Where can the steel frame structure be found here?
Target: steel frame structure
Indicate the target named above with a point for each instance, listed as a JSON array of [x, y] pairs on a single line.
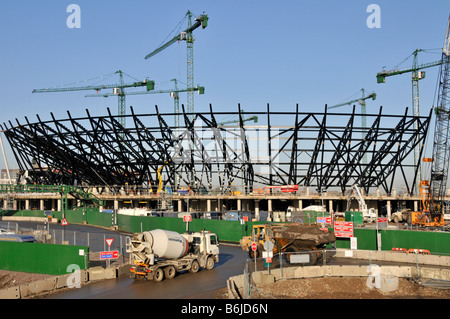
[[320, 150]]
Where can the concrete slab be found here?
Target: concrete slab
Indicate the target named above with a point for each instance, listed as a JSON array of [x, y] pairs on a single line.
[[101, 274], [260, 278], [37, 287], [10, 293], [70, 279]]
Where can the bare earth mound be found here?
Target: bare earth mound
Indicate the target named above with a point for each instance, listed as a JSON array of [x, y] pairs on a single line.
[[344, 288], [10, 279]]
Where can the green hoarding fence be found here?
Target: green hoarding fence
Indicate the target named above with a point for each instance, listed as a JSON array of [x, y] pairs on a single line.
[[435, 242], [42, 258], [233, 231]]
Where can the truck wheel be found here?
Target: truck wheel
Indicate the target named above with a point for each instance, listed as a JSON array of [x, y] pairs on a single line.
[[194, 267], [170, 272], [209, 263], [159, 275], [312, 258], [289, 252]]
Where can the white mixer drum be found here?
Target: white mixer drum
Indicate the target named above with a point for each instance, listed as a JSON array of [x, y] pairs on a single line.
[[169, 244]]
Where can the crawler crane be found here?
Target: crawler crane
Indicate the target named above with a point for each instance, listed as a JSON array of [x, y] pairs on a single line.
[[432, 191]]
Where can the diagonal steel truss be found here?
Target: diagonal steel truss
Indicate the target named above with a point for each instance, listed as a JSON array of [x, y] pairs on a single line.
[[321, 150]]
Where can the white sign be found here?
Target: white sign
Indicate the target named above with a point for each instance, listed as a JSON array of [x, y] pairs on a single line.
[[267, 254], [379, 241], [353, 243], [382, 223], [299, 259], [268, 245]]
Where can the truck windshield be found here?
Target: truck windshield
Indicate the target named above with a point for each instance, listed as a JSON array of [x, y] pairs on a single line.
[[213, 240], [257, 232]]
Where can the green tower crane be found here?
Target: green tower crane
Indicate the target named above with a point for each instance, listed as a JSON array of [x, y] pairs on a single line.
[[417, 75], [173, 93], [118, 90], [187, 36]]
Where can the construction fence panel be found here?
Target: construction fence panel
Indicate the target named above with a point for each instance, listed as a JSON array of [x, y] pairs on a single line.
[[42, 258]]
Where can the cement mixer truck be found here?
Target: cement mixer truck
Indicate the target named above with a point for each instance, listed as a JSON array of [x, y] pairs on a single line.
[[159, 254]]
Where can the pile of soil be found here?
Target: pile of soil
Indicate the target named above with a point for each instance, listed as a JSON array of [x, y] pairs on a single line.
[[344, 288]]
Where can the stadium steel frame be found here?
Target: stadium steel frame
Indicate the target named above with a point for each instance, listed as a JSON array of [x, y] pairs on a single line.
[[320, 150]]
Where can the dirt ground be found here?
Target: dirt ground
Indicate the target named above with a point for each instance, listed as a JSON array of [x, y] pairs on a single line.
[[10, 279], [344, 288]]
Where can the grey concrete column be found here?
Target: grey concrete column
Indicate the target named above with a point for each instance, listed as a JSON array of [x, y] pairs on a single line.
[[257, 209], [389, 208]]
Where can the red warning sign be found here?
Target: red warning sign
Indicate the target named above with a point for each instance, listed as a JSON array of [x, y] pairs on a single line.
[[343, 229]]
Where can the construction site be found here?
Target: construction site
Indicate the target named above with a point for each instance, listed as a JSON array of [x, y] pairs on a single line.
[[368, 168], [185, 161]]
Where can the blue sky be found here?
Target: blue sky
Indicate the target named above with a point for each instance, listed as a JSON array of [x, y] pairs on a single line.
[[252, 52]]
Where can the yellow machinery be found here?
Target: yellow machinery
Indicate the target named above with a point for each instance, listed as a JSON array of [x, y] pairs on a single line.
[[431, 214], [288, 238]]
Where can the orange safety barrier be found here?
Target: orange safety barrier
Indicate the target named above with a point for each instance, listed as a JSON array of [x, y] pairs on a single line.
[[418, 251], [402, 250]]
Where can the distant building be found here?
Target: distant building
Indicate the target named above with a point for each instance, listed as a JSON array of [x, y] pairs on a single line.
[[14, 174]]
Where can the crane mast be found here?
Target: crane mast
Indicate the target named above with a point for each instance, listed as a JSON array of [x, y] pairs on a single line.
[[417, 74], [441, 151], [190, 66], [186, 35]]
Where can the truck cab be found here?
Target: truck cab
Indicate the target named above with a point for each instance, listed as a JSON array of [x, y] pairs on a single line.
[[203, 242]]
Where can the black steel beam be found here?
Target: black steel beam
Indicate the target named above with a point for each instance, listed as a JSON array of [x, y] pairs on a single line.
[[320, 150]]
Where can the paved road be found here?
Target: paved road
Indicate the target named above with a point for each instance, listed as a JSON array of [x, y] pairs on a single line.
[[184, 286], [201, 285]]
